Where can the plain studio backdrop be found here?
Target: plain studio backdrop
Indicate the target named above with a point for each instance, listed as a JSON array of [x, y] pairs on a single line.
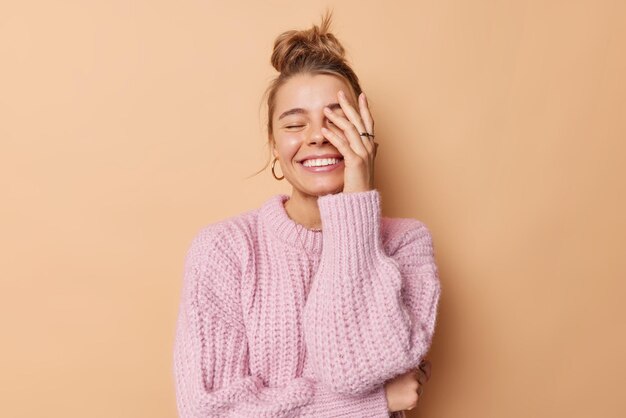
[[126, 126]]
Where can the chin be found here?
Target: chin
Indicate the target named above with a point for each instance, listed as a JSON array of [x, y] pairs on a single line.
[[324, 190]]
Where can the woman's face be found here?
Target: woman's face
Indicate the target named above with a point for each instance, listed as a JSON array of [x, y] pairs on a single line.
[[297, 122]]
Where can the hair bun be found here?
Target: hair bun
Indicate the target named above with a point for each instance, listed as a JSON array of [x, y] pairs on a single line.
[[295, 45]]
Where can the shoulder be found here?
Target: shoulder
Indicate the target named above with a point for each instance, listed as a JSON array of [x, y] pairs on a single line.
[[215, 261], [229, 239], [400, 232], [214, 264]]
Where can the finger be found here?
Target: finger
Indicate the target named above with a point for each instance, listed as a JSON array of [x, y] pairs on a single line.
[[354, 117], [340, 143], [366, 115], [350, 111], [350, 132], [339, 134], [337, 130]]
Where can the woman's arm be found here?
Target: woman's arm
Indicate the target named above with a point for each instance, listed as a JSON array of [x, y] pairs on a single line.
[[211, 354], [369, 316]]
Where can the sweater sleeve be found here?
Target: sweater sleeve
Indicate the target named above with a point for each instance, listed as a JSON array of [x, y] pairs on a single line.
[[211, 371], [369, 316]]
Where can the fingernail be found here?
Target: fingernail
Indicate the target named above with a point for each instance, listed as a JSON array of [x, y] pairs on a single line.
[[327, 110], [341, 93]]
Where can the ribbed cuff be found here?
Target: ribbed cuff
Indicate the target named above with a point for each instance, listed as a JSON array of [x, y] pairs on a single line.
[[351, 225], [327, 404]]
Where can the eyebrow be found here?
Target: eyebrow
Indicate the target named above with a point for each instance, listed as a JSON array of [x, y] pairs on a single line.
[[295, 110]]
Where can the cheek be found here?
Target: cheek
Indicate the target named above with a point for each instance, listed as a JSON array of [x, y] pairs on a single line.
[[288, 145]]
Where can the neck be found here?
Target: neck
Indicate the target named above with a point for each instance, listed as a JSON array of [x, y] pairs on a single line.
[[303, 209]]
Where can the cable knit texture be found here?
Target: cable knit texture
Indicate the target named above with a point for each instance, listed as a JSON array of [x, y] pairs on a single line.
[[277, 320]]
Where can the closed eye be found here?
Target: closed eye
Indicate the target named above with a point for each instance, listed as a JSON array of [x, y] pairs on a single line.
[[300, 126]]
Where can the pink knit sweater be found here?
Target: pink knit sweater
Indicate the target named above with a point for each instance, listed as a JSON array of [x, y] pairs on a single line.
[[277, 320]]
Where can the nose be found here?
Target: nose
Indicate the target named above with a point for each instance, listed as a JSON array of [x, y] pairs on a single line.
[[317, 138]]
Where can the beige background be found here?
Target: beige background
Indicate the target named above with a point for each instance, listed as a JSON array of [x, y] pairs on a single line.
[[125, 126]]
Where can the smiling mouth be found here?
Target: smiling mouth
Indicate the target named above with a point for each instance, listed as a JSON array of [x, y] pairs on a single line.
[[321, 162], [335, 164]]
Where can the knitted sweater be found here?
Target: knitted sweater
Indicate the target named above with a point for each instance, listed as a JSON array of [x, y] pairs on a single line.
[[277, 320]]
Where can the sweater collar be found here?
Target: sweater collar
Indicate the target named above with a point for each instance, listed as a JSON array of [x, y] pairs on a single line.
[[279, 224]]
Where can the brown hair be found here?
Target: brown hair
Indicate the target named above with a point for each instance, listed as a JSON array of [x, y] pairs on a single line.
[[313, 51]]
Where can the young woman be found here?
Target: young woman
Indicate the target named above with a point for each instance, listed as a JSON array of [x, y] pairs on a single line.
[[314, 304]]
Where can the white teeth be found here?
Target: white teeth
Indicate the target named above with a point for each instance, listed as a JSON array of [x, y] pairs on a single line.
[[320, 162]]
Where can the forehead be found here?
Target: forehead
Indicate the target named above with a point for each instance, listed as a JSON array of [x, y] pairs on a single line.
[[310, 91]]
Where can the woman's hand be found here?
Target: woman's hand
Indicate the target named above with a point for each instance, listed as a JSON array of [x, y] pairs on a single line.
[[358, 151], [403, 391]]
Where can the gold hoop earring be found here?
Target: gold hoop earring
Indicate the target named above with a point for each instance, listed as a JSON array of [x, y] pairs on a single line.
[[273, 173]]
